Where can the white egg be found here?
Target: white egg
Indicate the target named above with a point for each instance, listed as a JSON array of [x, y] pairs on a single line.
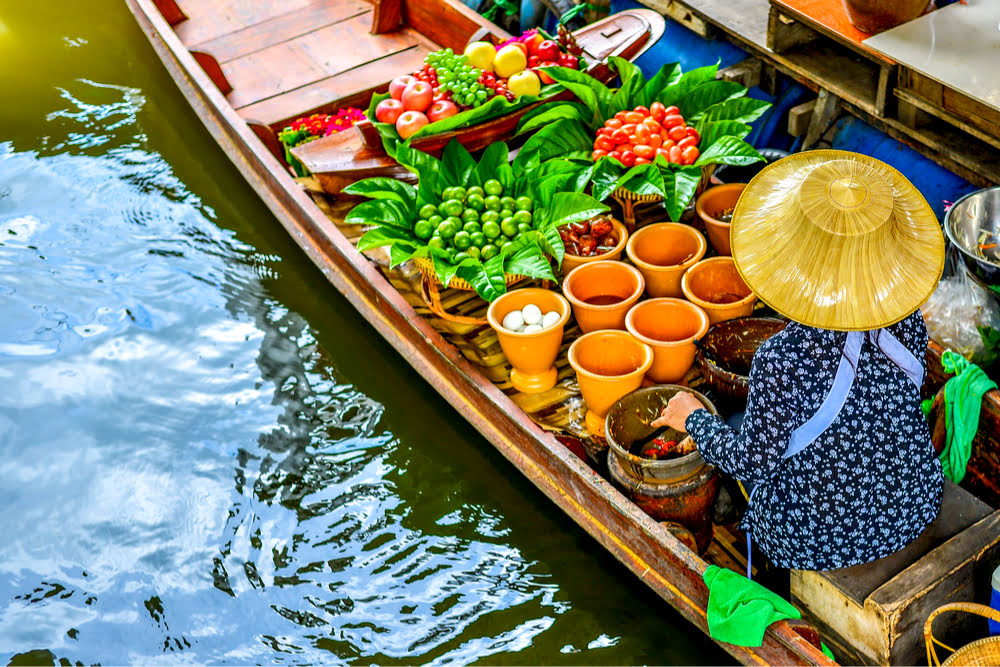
[[550, 318], [532, 328], [532, 314], [513, 321]]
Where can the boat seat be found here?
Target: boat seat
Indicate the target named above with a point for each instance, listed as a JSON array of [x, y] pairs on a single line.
[[874, 613], [287, 58]]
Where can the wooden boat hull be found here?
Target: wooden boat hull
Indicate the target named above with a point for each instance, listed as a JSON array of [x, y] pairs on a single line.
[[645, 547]]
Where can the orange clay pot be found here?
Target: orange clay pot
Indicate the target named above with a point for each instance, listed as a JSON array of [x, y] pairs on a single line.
[[715, 286], [710, 205], [670, 327], [602, 292], [608, 365], [663, 252], [570, 262], [531, 355]]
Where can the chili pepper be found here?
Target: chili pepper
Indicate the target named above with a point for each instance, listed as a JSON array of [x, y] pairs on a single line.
[[987, 246]]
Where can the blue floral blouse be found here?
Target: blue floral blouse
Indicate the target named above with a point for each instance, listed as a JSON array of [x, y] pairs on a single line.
[[865, 488]]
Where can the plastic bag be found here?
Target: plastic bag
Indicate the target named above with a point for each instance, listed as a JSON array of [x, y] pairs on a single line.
[[964, 316]]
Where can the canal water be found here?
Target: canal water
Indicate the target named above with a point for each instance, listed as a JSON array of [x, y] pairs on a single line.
[[206, 456]]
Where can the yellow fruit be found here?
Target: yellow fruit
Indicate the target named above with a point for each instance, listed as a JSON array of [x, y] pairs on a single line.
[[509, 61], [524, 83], [481, 55]]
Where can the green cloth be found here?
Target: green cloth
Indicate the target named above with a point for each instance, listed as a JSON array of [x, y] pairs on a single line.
[[739, 610], [963, 398]]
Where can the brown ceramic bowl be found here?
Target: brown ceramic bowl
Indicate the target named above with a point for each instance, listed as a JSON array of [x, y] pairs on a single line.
[[710, 205], [571, 262], [716, 287], [726, 351], [663, 252], [628, 422], [602, 293]]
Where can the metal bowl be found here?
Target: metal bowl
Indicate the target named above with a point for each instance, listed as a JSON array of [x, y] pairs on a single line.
[[974, 222]]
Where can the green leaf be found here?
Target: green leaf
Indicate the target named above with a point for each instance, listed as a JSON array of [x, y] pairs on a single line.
[[594, 94], [401, 252], [686, 181], [530, 261], [675, 93], [551, 243], [563, 138], [487, 279], [495, 156], [380, 187], [548, 113], [742, 109], [628, 97], [712, 132], [704, 96], [383, 212], [383, 236], [668, 75], [643, 179], [607, 173], [626, 69], [567, 207], [729, 150], [457, 165], [426, 166]]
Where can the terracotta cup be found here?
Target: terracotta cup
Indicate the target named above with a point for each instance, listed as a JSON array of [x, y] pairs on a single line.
[[712, 203], [570, 262], [663, 252], [715, 286], [531, 355], [670, 327], [602, 292], [875, 16], [608, 365]]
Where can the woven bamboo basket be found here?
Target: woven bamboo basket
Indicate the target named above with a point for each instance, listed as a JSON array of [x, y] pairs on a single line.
[[980, 653], [431, 291]]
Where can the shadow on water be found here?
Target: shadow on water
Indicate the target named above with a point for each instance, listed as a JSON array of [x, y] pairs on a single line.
[[207, 455]]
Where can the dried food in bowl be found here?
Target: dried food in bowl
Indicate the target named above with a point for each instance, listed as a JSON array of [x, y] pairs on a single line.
[[727, 349]]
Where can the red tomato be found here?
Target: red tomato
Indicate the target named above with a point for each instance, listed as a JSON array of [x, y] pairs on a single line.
[[628, 158], [652, 126], [664, 152], [644, 151], [673, 121], [642, 135], [655, 141], [642, 160], [657, 111], [694, 133], [620, 136], [620, 116], [690, 155], [613, 123], [604, 144], [687, 141], [675, 154], [643, 110], [678, 132], [616, 155], [670, 111], [597, 155], [629, 128], [668, 144], [634, 117], [605, 132]]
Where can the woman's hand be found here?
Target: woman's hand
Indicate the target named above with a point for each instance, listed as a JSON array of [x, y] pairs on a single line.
[[677, 411]]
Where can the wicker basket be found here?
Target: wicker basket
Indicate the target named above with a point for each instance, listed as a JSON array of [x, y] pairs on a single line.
[[430, 289], [980, 653]]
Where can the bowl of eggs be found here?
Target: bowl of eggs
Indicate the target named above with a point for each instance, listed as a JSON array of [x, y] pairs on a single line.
[[529, 325]]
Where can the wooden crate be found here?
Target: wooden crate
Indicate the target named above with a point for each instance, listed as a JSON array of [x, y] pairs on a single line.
[[873, 614]]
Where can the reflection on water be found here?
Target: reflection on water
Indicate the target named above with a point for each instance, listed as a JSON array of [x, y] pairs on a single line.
[[205, 455]]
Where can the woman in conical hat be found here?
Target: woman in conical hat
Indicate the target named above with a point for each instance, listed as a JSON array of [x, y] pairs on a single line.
[[833, 445]]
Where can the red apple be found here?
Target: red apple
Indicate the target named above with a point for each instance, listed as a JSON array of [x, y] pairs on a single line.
[[548, 50], [399, 84], [389, 110], [569, 60], [408, 123], [534, 61], [418, 96], [533, 42], [441, 109]]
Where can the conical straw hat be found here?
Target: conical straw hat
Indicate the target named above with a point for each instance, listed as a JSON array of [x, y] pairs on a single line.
[[837, 240]]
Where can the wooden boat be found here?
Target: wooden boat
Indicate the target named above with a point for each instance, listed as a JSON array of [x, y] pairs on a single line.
[[539, 434]]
